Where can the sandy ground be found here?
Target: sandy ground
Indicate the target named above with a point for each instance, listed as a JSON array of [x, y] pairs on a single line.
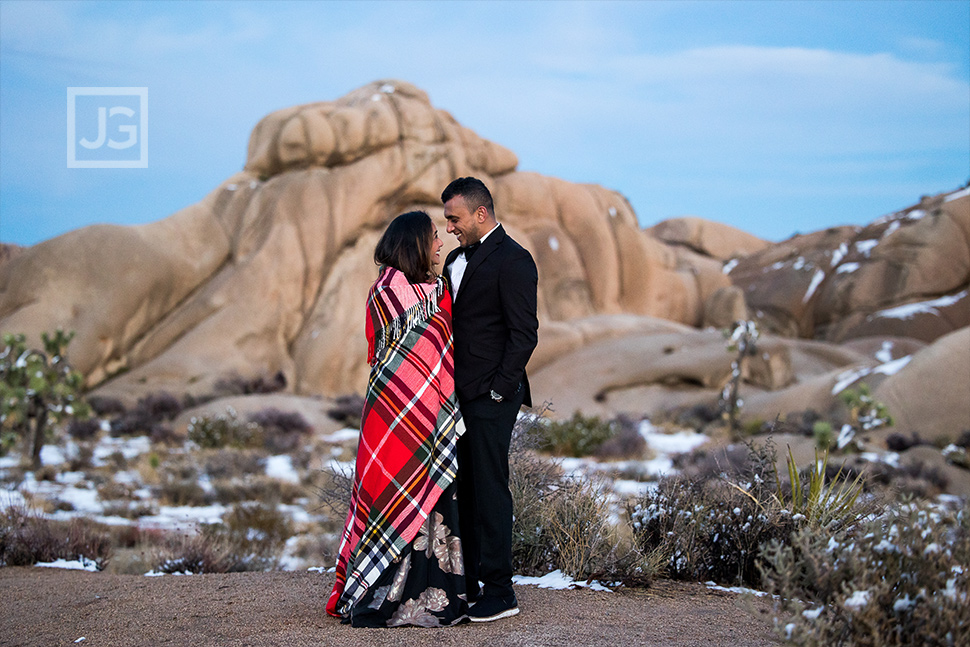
[[54, 607]]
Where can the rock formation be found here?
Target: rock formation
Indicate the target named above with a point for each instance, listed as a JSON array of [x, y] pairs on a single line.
[[268, 273]]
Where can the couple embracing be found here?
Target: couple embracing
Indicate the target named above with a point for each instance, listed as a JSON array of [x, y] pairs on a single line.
[[431, 512]]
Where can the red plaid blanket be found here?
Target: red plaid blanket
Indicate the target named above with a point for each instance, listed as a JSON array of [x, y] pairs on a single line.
[[406, 454]]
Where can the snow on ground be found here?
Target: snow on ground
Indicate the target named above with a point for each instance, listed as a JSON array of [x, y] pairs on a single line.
[[80, 564], [183, 517], [281, 467], [735, 589], [341, 435], [681, 442], [556, 580]]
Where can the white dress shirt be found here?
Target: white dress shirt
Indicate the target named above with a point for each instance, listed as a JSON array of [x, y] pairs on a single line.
[[457, 267]]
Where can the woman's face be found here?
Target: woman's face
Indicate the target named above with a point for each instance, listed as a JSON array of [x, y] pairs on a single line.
[[436, 244]]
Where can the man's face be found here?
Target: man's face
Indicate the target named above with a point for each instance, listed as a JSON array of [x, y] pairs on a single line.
[[464, 224]]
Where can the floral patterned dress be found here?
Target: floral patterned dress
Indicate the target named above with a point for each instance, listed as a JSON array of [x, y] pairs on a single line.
[[425, 587]]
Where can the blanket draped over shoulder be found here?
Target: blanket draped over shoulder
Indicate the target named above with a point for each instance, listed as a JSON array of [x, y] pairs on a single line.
[[410, 423]]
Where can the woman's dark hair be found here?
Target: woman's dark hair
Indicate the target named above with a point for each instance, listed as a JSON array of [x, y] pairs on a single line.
[[406, 246]]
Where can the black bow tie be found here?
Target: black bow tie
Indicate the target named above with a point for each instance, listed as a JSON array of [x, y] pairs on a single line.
[[470, 249]]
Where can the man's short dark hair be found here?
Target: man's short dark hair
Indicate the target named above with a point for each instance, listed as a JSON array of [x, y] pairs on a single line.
[[474, 192]]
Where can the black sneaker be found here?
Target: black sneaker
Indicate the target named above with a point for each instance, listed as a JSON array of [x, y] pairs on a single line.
[[490, 608]]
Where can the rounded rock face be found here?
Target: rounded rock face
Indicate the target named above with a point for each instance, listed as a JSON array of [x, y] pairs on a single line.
[[270, 271], [268, 275], [907, 274]]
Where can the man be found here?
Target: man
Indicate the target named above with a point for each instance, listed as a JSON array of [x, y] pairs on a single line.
[[493, 282]]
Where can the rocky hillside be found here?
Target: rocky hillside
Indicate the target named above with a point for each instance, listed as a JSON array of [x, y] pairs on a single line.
[[266, 276]]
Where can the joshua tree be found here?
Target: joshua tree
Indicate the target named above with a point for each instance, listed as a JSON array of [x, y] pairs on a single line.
[[37, 388]]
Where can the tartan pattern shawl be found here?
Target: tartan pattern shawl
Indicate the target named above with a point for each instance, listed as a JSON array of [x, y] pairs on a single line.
[[410, 423]]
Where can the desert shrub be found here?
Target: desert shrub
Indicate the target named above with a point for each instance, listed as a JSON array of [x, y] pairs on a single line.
[[229, 463], [563, 523], [27, 538], [160, 405], [224, 430], [899, 579], [85, 429], [579, 436], [283, 431], [148, 416], [180, 492], [238, 385], [129, 509], [178, 484], [347, 410], [707, 531], [899, 443], [250, 537], [255, 488], [257, 533], [626, 442], [106, 406], [824, 435], [716, 529], [192, 553]]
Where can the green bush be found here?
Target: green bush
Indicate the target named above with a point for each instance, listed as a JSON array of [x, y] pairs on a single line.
[[37, 388], [579, 436], [901, 579]]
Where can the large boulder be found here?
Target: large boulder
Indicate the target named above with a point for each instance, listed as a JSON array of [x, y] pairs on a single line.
[[269, 272], [907, 274]]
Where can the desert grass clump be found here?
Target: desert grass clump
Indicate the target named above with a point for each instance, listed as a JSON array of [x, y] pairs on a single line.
[[250, 537], [901, 579], [224, 430], [27, 538], [192, 553], [564, 523]]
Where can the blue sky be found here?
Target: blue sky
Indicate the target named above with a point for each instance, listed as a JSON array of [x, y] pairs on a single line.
[[776, 117]]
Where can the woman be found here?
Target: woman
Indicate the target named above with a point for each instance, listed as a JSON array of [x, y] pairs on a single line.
[[400, 560]]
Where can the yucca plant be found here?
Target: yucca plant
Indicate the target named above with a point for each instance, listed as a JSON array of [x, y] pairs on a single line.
[[825, 505]]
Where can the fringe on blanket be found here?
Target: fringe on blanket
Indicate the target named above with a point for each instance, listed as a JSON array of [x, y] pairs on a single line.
[[404, 322]]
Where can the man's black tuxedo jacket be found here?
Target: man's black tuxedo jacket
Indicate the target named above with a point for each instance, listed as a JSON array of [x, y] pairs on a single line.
[[496, 328]]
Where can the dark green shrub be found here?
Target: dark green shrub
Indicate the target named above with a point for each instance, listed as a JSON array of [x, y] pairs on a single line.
[[579, 436]]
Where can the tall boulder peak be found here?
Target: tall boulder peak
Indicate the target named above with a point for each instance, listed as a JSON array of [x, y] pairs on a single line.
[[377, 116], [269, 272]]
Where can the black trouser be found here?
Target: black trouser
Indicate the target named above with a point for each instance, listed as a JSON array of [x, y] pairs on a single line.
[[484, 499]]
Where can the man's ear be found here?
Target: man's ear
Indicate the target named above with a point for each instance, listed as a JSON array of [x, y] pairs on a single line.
[[481, 213]]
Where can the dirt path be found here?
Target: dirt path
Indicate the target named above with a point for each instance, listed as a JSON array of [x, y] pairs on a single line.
[[55, 607]]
